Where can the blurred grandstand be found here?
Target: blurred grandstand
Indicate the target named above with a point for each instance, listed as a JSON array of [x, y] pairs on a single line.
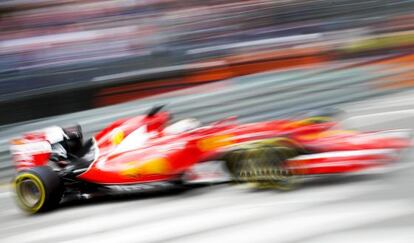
[[63, 56]]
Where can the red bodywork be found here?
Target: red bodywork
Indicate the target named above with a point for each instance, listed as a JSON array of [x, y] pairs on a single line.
[[137, 150]]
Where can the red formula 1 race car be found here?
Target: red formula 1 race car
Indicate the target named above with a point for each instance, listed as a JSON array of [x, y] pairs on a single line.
[[145, 152]]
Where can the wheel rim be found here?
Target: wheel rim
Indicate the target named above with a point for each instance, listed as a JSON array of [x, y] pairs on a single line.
[[262, 167], [30, 192]]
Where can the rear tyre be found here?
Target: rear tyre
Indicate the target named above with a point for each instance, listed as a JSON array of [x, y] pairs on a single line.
[[38, 189]]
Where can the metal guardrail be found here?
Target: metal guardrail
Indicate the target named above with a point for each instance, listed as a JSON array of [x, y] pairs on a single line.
[[252, 98]]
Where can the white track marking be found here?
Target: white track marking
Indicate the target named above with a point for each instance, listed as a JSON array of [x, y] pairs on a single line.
[[303, 224], [200, 209], [387, 113], [223, 203], [383, 235], [347, 153], [405, 98], [5, 194], [386, 117], [384, 105]]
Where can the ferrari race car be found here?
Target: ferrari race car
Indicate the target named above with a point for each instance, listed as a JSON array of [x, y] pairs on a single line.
[[145, 151]]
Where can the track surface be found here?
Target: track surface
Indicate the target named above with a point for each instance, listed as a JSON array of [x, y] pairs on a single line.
[[377, 208]]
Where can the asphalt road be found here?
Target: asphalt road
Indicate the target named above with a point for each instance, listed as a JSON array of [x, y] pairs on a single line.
[[376, 208]]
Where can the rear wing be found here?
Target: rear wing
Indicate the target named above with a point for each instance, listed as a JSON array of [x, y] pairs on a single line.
[[34, 148], [26, 153]]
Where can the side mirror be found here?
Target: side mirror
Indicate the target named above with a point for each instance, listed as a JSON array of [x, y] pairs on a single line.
[[154, 110]]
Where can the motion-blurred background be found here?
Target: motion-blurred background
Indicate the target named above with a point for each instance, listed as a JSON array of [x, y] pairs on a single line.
[[64, 56], [260, 59]]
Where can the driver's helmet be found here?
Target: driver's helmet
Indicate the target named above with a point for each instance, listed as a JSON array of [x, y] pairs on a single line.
[[182, 126]]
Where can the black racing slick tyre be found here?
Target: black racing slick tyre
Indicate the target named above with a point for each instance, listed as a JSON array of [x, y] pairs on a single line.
[[38, 189]]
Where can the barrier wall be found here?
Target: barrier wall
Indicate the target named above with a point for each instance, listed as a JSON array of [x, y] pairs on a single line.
[[255, 97]]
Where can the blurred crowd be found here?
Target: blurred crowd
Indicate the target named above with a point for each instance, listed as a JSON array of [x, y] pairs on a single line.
[[46, 32]]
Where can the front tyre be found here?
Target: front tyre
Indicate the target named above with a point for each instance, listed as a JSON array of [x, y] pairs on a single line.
[[38, 189], [263, 165]]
